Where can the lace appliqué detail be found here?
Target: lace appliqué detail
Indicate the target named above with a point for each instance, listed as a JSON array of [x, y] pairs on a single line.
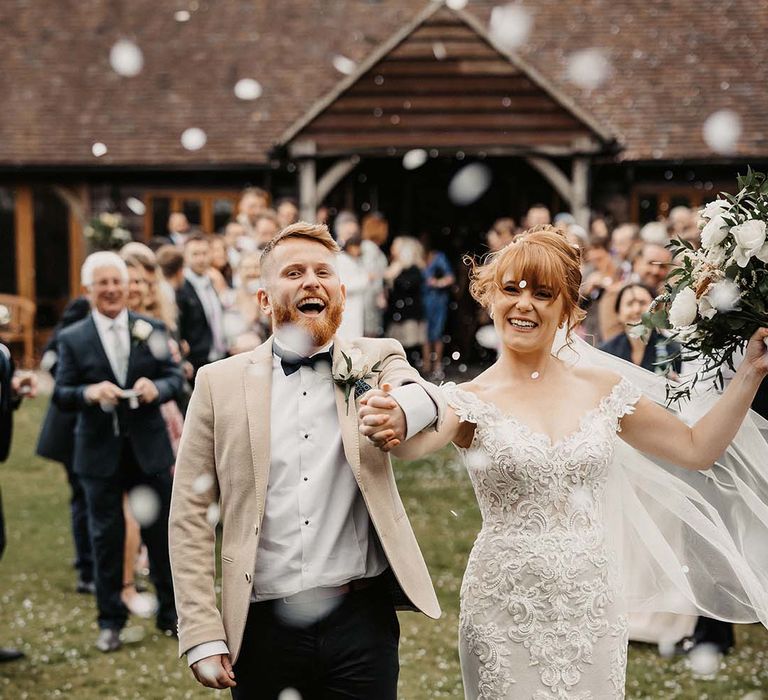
[[488, 644], [540, 568]]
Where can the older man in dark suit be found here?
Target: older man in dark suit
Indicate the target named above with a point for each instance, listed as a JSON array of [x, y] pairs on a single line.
[[115, 369], [12, 388]]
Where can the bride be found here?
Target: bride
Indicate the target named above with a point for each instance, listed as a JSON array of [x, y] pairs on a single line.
[[544, 597]]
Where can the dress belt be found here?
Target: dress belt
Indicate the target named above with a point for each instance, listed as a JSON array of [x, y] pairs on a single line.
[[325, 592]]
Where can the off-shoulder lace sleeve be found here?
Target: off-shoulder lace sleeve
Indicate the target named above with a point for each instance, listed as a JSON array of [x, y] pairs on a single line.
[[621, 401], [468, 407]]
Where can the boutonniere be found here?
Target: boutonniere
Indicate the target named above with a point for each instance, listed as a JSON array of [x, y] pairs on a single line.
[[355, 369], [141, 330]]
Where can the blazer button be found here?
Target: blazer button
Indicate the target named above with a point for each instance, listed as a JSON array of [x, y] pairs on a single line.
[[247, 577]]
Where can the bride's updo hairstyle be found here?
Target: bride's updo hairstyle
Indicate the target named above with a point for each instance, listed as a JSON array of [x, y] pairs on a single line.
[[543, 257]]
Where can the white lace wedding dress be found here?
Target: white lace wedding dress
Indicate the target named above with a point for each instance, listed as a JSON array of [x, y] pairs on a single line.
[[540, 611]]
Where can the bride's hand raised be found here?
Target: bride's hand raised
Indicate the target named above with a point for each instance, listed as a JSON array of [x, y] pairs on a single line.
[[756, 355]]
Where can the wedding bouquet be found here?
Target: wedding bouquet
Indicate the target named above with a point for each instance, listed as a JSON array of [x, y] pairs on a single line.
[[105, 232], [717, 297]]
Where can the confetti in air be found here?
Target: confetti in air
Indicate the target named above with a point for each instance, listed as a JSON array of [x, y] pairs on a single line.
[[213, 514], [145, 505], [136, 206], [439, 50], [99, 149], [202, 483], [510, 25], [182, 16], [193, 139], [126, 58], [344, 65], [414, 159], [588, 68], [469, 184], [704, 660], [248, 89], [722, 130], [289, 694]]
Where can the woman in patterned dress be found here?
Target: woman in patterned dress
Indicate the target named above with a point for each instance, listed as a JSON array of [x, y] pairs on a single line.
[[541, 600]]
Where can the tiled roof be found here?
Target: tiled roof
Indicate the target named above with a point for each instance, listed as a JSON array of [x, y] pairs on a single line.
[[673, 64]]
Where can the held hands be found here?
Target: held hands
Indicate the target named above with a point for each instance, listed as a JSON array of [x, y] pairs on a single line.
[[215, 672], [382, 420]]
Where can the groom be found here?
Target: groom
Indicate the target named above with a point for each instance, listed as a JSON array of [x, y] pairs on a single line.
[[316, 548]]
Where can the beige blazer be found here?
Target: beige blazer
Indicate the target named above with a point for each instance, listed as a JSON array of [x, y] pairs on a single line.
[[224, 458]]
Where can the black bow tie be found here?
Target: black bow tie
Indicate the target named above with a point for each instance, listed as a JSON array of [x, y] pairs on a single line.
[[291, 362]]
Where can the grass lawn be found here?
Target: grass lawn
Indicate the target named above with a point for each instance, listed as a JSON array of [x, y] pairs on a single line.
[[40, 613]]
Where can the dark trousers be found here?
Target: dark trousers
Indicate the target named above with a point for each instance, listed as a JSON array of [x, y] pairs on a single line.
[[78, 511], [717, 632], [349, 653], [104, 498]]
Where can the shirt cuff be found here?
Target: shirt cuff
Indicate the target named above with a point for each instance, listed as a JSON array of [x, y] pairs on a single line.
[[206, 649], [418, 407]]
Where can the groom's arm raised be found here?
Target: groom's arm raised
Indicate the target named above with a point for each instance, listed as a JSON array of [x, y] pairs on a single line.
[[192, 541]]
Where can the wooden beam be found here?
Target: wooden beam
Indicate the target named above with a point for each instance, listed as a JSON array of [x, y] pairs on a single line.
[[77, 250], [25, 243], [334, 175], [580, 191], [553, 175]]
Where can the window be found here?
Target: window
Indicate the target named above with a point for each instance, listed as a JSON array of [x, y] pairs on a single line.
[[208, 210]]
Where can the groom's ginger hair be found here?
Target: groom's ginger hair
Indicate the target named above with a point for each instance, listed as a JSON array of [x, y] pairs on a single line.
[[301, 229]]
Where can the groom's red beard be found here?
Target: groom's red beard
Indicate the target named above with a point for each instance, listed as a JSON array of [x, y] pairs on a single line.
[[320, 329]]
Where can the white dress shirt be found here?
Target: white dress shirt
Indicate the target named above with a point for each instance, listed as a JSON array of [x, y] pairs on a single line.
[[316, 531], [104, 326]]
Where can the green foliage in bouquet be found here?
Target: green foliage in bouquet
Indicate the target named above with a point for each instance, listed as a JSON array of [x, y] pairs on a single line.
[[104, 232], [716, 297]]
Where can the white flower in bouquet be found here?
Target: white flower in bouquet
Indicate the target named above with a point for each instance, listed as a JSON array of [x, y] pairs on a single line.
[[719, 206], [706, 310], [714, 232], [121, 234], [142, 329], [724, 296], [762, 254], [110, 220], [750, 239], [683, 310], [716, 256]]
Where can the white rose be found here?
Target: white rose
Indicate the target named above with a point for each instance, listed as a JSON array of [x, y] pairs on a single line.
[[724, 296], [714, 232], [714, 208], [706, 310], [683, 310], [750, 238], [716, 256], [359, 363], [762, 254], [142, 329]]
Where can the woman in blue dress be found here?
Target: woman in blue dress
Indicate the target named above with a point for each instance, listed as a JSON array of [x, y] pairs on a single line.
[[438, 280]]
